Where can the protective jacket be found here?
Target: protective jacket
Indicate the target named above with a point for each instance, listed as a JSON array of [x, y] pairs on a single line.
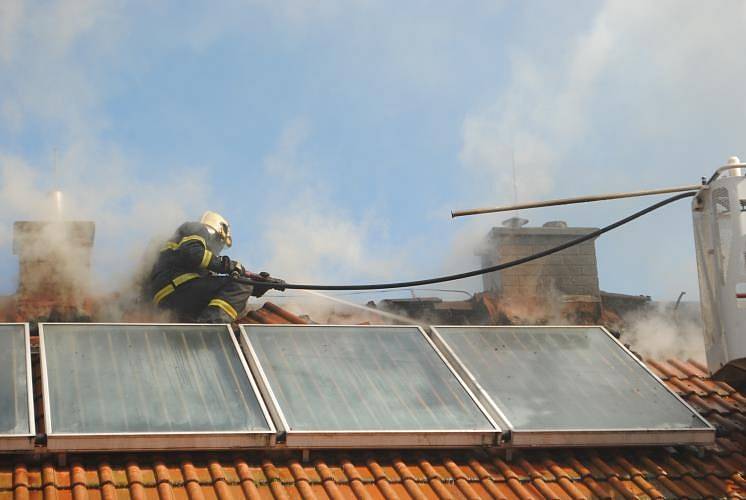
[[189, 254]]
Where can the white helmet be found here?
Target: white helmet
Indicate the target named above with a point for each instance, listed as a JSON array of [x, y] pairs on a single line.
[[218, 223]]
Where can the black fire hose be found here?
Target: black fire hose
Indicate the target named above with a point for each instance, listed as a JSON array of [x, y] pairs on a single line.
[[476, 272]]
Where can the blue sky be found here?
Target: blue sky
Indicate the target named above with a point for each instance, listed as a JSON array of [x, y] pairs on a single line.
[[337, 136]]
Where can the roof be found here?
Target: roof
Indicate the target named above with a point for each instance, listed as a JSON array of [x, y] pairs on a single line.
[[671, 472], [271, 314], [474, 473]]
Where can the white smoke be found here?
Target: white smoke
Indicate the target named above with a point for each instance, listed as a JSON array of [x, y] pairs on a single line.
[[127, 209], [579, 109], [50, 83], [537, 119], [309, 236], [551, 103], [660, 333], [550, 107]]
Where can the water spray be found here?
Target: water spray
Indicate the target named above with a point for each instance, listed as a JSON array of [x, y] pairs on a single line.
[[385, 314]]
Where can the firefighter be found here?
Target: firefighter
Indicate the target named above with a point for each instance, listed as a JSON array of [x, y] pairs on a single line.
[[191, 278]]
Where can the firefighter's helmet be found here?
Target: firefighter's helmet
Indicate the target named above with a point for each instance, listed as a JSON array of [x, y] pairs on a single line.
[[218, 223]]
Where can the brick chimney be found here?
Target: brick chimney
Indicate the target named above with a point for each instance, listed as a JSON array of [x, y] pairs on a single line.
[[569, 276], [54, 260]]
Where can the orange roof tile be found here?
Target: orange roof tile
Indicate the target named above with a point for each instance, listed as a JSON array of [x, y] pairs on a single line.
[[628, 473]]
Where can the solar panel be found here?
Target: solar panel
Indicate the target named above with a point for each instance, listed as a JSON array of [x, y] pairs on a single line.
[[568, 386], [147, 386], [362, 386], [16, 414]]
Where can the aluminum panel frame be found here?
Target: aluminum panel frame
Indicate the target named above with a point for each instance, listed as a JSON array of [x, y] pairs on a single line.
[[23, 442], [147, 441], [357, 439], [546, 438]]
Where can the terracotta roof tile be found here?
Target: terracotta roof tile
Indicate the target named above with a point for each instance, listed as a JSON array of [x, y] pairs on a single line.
[[20, 486], [587, 478], [457, 474], [688, 368], [247, 480], [163, 480], [513, 480], [486, 479], [283, 313]]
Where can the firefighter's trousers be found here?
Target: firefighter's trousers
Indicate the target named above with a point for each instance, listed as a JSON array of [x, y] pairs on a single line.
[[213, 299]]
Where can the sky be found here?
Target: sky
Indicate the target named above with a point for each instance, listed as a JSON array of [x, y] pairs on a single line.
[[337, 136]]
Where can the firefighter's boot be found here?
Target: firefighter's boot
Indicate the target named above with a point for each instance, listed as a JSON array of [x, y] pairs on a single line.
[[212, 314]]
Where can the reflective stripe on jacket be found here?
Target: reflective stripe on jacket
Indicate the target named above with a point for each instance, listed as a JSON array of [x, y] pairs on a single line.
[[191, 252]]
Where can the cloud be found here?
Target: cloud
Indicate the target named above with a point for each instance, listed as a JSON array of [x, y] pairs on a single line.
[[303, 12], [47, 54], [309, 236], [285, 161], [541, 114], [312, 239], [627, 101], [11, 13], [646, 68], [408, 53]]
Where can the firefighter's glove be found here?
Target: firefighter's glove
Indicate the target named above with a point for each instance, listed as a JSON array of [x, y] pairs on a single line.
[[236, 269], [268, 283], [276, 283], [225, 265], [231, 267]]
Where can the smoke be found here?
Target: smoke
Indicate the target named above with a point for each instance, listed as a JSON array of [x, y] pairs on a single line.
[[664, 333], [309, 236], [127, 209], [586, 108], [550, 106], [55, 91], [515, 145], [531, 127], [62, 73], [310, 242]]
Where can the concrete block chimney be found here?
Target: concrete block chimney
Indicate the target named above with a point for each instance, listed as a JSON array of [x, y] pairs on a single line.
[[572, 273]]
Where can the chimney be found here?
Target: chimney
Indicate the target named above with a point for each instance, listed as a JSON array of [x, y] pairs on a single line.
[[570, 275], [54, 260]]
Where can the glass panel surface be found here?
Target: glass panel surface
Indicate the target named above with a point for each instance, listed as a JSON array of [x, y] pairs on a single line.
[[14, 417], [566, 378], [362, 378], [147, 378]]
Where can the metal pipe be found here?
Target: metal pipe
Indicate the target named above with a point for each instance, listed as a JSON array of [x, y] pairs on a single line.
[[730, 166], [570, 201]]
